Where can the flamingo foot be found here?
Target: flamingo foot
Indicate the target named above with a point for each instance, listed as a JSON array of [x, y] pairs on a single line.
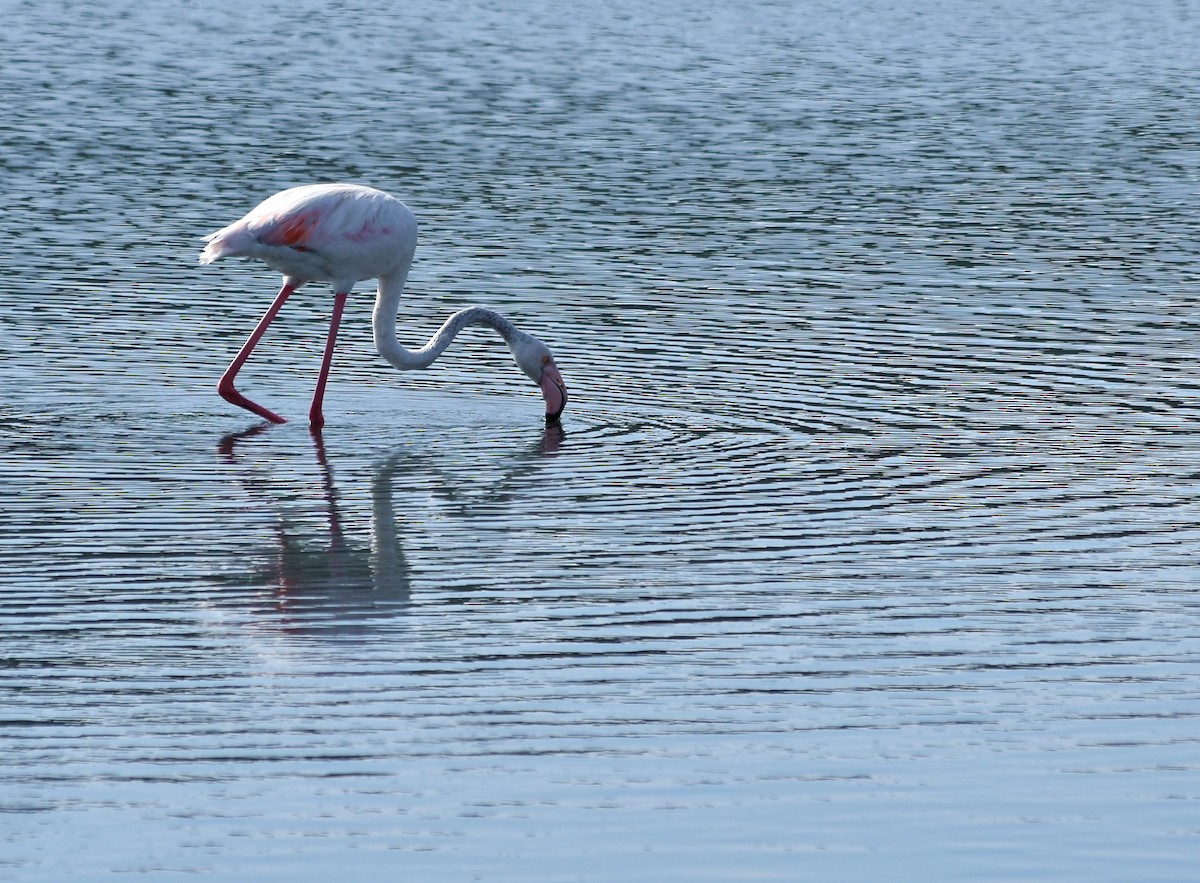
[[231, 395]]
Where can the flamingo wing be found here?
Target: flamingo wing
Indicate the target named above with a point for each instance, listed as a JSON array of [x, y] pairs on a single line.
[[358, 232]]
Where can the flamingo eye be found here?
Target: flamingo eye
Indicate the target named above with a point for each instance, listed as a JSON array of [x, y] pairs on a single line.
[[545, 360]]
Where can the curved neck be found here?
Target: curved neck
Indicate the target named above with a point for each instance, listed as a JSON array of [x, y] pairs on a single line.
[[383, 321]]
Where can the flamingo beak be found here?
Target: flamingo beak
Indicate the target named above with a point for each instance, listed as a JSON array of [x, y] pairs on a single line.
[[554, 391]]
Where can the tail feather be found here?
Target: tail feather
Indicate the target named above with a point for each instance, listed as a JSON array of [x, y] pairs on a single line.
[[232, 240], [213, 251]]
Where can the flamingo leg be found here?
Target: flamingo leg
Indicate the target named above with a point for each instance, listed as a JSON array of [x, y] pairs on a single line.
[[225, 385], [315, 419]]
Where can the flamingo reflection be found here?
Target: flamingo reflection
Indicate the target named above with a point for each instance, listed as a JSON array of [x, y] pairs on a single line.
[[320, 575]]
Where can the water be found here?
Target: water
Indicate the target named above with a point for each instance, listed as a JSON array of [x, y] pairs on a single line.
[[867, 549]]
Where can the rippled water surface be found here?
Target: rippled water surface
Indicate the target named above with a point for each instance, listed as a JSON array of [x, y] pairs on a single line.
[[867, 549]]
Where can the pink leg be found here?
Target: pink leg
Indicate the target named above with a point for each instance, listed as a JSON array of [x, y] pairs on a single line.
[[225, 385], [315, 419]]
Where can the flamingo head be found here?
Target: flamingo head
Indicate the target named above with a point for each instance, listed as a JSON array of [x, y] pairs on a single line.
[[535, 359]]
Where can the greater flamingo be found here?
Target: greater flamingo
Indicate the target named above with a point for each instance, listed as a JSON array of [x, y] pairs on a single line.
[[343, 234]]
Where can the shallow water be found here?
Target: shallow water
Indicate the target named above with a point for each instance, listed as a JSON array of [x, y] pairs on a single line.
[[867, 547]]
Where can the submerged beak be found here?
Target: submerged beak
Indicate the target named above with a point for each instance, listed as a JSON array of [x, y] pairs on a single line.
[[554, 391]]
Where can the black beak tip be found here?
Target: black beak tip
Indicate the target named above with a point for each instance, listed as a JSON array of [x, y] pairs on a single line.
[[551, 419]]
